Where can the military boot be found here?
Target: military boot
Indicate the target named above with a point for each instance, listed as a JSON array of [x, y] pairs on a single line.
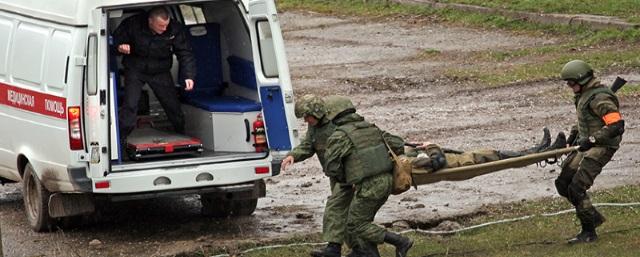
[[544, 143], [559, 143], [402, 244], [585, 236], [332, 250], [587, 219], [598, 218]]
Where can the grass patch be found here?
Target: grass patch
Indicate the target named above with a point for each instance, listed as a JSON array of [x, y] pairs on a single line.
[[625, 9], [629, 90], [543, 63], [539, 236], [503, 67], [428, 53], [380, 8]]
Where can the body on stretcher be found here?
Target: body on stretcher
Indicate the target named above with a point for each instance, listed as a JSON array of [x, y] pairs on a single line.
[[421, 176]]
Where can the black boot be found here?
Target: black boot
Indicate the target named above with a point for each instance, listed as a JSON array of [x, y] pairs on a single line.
[[332, 250], [587, 219], [559, 143], [585, 236], [598, 218], [402, 244], [544, 143]]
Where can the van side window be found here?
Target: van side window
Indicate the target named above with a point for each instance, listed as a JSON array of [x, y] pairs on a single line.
[[6, 26], [92, 65], [267, 50], [56, 60], [192, 14], [28, 55]]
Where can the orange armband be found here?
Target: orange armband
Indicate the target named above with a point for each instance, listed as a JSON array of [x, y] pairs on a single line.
[[611, 118]]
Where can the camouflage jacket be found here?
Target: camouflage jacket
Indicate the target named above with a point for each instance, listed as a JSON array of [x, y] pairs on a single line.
[[314, 142], [339, 147], [594, 102]]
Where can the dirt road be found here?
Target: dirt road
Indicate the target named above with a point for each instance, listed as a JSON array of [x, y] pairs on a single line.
[[382, 66]]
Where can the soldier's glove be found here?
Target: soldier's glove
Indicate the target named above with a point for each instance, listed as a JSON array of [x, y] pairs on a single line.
[[587, 144], [572, 137]]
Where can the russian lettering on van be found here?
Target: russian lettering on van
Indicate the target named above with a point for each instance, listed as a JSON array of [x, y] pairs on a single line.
[[19, 99]]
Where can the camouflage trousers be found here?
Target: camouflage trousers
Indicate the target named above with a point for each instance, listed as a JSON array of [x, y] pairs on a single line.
[[334, 221], [464, 159], [471, 157], [369, 196], [579, 171]]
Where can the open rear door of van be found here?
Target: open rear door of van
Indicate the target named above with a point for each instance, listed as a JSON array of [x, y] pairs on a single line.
[[97, 98], [272, 77]]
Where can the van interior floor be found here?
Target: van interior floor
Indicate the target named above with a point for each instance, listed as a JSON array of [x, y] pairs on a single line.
[[207, 156], [150, 147]]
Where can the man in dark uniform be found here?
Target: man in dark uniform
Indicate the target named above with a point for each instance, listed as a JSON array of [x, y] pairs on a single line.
[[148, 42], [598, 134], [358, 154]]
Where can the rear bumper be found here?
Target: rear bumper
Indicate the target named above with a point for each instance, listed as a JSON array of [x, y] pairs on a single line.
[[251, 190], [184, 178]]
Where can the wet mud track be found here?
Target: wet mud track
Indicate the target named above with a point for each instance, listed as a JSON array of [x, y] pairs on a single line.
[[378, 64]]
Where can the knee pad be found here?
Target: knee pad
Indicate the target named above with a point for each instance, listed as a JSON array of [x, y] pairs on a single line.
[[576, 194]]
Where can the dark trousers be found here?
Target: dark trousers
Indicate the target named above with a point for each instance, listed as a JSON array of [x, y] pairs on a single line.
[[164, 90]]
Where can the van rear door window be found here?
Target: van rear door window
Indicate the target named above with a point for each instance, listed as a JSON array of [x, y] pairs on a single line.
[[267, 51], [192, 14]]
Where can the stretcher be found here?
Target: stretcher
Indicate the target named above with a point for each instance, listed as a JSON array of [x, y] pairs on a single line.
[[423, 177], [153, 143]]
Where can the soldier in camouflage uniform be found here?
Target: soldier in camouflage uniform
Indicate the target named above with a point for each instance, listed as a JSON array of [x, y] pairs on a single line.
[[314, 111], [358, 155], [598, 134], [432, 157]]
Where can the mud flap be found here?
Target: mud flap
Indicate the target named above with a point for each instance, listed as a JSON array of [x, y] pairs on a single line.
[[64, 205]]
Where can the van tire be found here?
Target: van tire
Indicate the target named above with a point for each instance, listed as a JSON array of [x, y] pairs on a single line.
[[215, 207], [36, 201], [244, 207], [219, 207]]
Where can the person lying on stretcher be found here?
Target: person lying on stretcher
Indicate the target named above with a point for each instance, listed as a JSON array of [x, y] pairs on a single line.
[[432, 157]]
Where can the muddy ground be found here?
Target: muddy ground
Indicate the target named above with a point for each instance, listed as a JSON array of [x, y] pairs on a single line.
[[381, 65]]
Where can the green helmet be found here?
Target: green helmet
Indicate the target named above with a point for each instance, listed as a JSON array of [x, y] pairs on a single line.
[[337, 104], [310, 105], [577, 71]]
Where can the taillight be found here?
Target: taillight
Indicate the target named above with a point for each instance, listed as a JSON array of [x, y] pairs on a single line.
[[262, 170], [103, 184], [75, 132]]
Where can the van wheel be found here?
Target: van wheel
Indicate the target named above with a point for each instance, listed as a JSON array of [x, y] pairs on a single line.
[[244, 207], [215, 207], [36, 201], [219, 207]]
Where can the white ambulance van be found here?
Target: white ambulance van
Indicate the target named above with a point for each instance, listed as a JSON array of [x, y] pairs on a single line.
[[59, 87]]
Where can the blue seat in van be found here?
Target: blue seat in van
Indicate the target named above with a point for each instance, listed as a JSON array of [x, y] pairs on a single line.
[[209, 84]]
